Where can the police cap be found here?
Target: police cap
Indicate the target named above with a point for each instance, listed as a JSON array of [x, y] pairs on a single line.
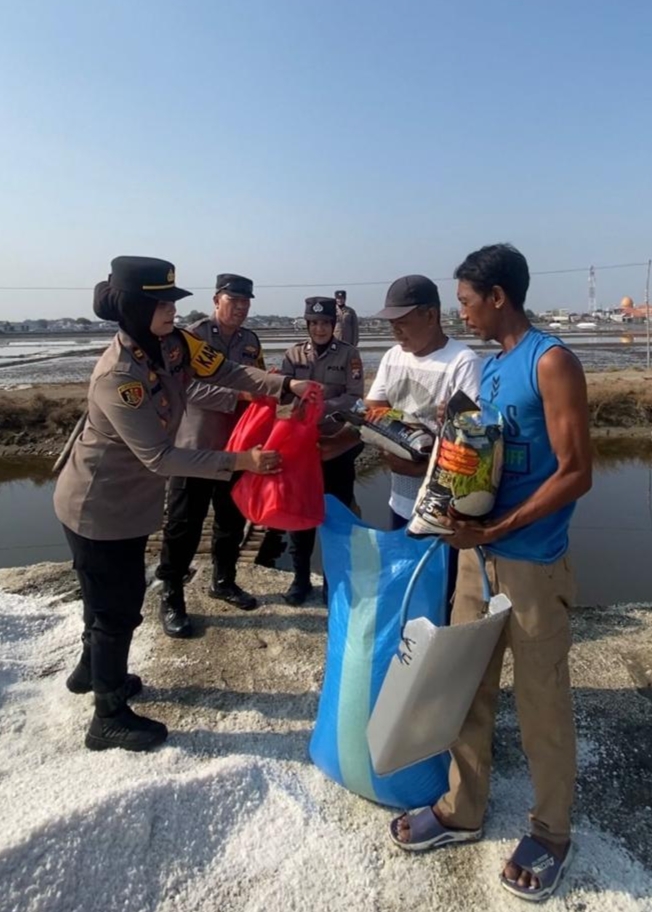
[[320, 309], [235, 285], [147, 276]]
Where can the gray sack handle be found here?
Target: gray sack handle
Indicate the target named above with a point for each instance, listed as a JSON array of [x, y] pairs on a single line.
[[486, 587]]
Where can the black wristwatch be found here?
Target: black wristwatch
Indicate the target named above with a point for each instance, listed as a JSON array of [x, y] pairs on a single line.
[[285, 389]]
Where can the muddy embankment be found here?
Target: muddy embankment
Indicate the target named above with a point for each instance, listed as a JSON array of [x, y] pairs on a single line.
[[37, 421]]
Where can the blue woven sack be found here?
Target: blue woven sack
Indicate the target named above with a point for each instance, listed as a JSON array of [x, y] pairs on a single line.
[[368, 572]]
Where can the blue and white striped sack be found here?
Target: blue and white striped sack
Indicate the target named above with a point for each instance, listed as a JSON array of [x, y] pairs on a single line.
[[368, 572]]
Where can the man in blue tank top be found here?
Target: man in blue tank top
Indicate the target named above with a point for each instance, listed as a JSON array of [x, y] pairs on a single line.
[[540, 389]]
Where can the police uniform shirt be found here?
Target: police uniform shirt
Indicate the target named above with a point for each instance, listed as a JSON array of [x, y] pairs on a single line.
[[213, 412], [346, 328], [339, 368], [113, 485]]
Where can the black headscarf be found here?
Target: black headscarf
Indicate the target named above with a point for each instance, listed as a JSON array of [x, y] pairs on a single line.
[[133, 313]]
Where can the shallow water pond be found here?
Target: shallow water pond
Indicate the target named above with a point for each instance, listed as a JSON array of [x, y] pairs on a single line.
[[611, 533]]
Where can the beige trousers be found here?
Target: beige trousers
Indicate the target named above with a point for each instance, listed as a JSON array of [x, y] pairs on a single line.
[[538, 633]]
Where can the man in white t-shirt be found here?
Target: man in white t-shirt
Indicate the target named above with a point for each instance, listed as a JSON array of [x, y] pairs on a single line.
[[418, 374]]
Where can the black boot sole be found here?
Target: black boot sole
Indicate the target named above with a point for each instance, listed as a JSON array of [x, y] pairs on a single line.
[[94, 743], [295, 601], [176, 633], [250, 606], [183, 634]]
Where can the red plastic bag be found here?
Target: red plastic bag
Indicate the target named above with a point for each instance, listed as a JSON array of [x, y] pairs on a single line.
[[294, 498], [254, 426]]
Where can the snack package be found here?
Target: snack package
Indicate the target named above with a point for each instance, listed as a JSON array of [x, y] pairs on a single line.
[[392, 431], [465, 467]]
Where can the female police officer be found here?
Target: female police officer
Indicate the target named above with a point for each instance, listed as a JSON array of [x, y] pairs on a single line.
[[336, 365], [110, 494]]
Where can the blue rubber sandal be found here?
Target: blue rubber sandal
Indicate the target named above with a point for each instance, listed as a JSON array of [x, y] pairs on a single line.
[[531, 856], [427, 832]]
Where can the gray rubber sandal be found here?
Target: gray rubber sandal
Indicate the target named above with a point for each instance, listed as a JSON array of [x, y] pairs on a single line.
[[427, 832], [531, 856]]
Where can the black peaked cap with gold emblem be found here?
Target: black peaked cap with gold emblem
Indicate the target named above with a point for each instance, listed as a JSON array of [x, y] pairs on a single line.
[[320, 309], [236, 285], [146, 276]]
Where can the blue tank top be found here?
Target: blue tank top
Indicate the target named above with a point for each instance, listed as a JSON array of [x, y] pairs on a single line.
[[509, 381]]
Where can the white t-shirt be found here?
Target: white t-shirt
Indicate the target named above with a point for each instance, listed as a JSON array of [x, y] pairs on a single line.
[[417, 385]]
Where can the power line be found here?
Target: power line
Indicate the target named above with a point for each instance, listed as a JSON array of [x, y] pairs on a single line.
[[335, 283]]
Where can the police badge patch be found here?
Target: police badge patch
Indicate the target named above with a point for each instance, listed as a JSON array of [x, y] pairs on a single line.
[[132, 394], [356, 368]]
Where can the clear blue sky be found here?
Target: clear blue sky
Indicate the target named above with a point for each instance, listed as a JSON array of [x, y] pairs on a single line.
[[307, 142]]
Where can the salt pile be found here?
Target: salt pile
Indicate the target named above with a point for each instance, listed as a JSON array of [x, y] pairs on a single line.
[[228, 816]]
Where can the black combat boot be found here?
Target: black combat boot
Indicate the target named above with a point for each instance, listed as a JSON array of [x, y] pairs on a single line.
[[79, 681], [299, 590], [116, 725], [301, 587], [174, 619], [302, 544], [224, 587]]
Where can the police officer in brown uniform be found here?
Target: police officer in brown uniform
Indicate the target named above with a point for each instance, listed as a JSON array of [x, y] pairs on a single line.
[[346, 328], [110, 494], [338, 366], [207, 424]]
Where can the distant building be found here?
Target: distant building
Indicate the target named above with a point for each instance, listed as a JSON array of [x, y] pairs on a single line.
[[10, 327]]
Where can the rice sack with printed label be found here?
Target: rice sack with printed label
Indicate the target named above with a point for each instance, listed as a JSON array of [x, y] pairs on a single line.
[[465, 467]]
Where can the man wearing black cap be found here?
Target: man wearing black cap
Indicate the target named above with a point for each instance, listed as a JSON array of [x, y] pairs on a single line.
[[425, 368], [338, 366], [346, 328], [209, 420]]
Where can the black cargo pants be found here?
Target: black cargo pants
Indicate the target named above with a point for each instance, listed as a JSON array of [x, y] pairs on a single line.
[[112, 579], [188, 502]]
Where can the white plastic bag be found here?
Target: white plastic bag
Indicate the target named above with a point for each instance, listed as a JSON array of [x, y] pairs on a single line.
[[430, 685]]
